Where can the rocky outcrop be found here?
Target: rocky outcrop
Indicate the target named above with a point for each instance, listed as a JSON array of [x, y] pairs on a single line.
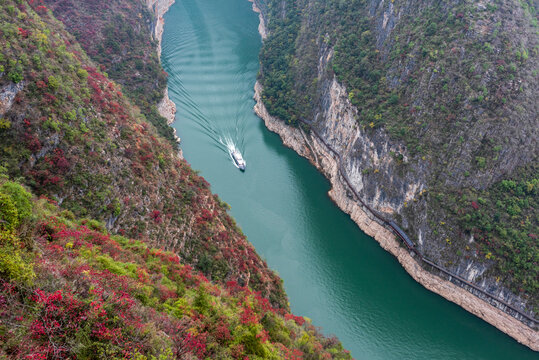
[[372, 164], [159, 9], [166, 107], [443, 122], [7, 95], [262, 24]]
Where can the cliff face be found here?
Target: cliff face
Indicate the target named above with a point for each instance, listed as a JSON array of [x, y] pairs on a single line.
[[159, 9], [383, 166], [313, 149]]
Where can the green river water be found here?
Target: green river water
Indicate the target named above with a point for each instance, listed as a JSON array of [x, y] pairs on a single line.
[[333, 273]]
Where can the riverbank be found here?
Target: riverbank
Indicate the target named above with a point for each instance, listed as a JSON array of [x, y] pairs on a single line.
[[262, 25], [311, 148], [166, 107]]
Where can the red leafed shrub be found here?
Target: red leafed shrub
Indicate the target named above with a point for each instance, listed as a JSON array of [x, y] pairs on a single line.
[[223, 236], [195, 344], [142, 276], [475, 205], [248, 316], [156, 216], [53, 180], [298, 319], [263, 336], [233, 286], [41, 84], [290, 354], [165, 293], [60, 316], [262, 304], [205, 216], [45, 178], [186, 273], [58, 161], [222, 332], [146, 159], [32, 142], [49, 99], [23, 33], [237, 351], [42, 9]]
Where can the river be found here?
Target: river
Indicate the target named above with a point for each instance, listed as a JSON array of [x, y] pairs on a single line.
[[333, 273]]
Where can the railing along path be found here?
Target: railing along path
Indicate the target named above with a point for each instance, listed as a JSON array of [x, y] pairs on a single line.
[[401, 234]]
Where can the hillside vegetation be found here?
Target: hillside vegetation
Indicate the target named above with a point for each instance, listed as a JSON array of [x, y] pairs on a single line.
[[117, 36], [71, 135], [454, 85], [69, 289]]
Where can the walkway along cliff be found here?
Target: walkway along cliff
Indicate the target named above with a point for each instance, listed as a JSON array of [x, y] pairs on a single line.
[[314, 144]]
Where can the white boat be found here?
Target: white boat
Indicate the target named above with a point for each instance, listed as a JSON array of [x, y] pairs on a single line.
[[238, 159]]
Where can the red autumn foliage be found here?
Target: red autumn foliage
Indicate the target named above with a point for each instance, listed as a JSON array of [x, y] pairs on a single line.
[[156, 216], [248, 316], [298, 319], [23, 33], [32, 142], [58, 161]]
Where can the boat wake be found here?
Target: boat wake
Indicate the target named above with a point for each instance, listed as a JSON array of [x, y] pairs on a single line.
[[224, 126], [226, 132], [234, 153]]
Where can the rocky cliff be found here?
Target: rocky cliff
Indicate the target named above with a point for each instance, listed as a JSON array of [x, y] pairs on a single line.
[[394, 181]]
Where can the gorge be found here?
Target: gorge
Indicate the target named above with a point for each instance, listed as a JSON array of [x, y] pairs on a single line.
[[417, 117], [199, 84]]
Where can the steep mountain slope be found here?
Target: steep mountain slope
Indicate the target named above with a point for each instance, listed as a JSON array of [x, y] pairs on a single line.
[[68, 131], [117, 36], [68, 290], [432, 107]]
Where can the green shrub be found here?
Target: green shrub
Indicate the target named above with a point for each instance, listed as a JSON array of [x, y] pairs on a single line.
[[481, 162], [179, 308], [20, 198], [12, 264], [15, 76], [116, 267], [54, 83], [9, 216], [4, 123], [252, 343], [202, 301]]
